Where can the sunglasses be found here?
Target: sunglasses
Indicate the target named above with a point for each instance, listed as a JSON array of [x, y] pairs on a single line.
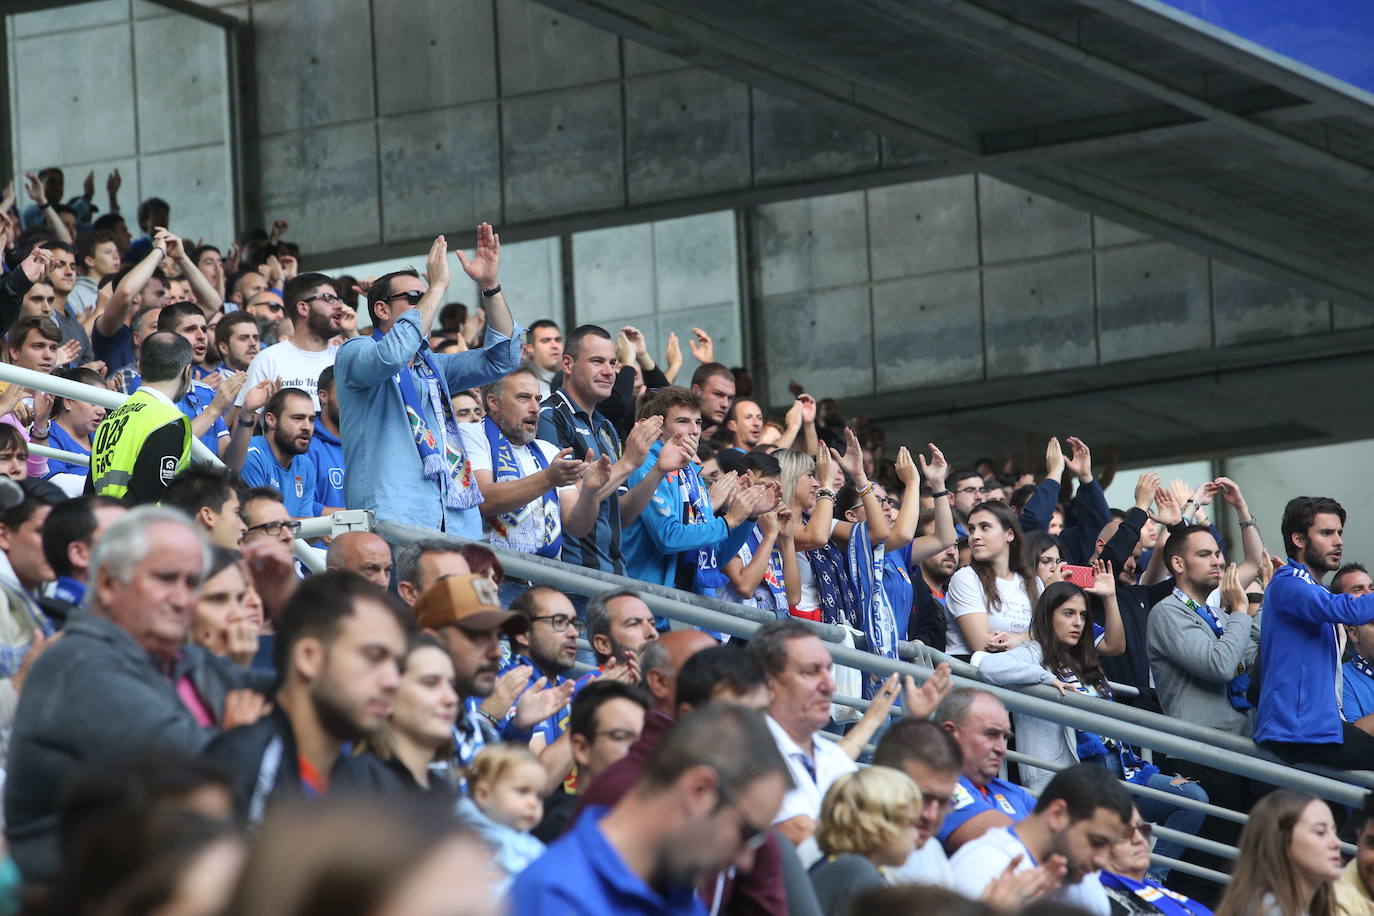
[[413, 296]]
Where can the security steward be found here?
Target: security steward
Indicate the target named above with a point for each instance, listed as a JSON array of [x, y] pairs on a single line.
[[140, 447]]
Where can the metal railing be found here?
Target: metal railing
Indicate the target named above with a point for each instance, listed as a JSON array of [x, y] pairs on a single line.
[[1209, 747]]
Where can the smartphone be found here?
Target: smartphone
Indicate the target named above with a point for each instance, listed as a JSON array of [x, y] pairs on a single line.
[[1082, 576]]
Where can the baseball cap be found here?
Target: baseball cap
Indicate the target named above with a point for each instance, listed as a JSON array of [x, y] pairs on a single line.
[[469, 601]]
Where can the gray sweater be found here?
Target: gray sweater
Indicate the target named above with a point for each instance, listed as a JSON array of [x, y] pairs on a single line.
[[1192, 665], [94, 692]]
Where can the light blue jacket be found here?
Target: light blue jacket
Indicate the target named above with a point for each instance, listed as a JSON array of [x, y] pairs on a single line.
[[653, 542], [385, 473]]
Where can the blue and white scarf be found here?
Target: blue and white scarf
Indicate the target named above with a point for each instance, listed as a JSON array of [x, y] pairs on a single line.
[[444, 461], [547, 539], [879, 624], [771, 594], [1239, 686]]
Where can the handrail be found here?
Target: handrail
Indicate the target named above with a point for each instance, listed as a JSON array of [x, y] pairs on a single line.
[[1177, 738], [90, 394]]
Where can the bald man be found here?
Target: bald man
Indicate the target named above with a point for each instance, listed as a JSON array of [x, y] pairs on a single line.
[[361, 552]]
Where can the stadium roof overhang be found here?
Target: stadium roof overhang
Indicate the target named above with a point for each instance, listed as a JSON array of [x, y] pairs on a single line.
[[1126, 108]]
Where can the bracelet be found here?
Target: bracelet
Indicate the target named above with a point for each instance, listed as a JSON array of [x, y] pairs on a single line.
[[825, 494], [251, 420], [1249, 523], [939, 494], [35, 434], [496, 723], [864, 491], [1254, 597], [488, 293]]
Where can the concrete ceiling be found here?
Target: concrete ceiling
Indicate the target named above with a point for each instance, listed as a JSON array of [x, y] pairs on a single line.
[[1125, 108]]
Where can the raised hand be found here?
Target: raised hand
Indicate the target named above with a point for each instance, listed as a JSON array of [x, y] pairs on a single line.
[[68, 352], [920, 702], [36, 265], [808, 408], [565, 470], [289, 266], [1054, 460], [279, 227], [725, 486], [436, 263], [676, 454], [641, 437], [228, 390], [88, 185], [636, 338], [825, 470], [482, 267], [672, 357], [1104, 583], [1145, 487], [1233, 597], [258, 396], [1081, 462], [1167, 510], [906, 470], [702, 347], [598, 473], [34, 187], [852, 461], [624, 349], [936, 469], [541, 701], [786, 523], [1230, 493], [506, 689], [112, 182]]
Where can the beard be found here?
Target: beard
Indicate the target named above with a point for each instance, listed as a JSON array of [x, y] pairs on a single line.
[[520, 434], [334, 716], [1314, 560], [287, 443], [321, 324]]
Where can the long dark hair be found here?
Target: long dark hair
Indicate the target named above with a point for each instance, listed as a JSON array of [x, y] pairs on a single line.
[[1016, 556], [1080, 658]]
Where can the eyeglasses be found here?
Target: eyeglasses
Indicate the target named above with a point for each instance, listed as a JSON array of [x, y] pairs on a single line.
[[326, 298], [275, 528], [890, 501], [751, 836], [1144, 828], [412, 296], [558, 622], [971, 490]]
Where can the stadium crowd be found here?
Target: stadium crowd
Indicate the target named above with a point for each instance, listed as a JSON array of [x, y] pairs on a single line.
[[193, 723]]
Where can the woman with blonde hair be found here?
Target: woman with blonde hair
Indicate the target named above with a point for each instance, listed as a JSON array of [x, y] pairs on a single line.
[[868, 822], [1289, 858]]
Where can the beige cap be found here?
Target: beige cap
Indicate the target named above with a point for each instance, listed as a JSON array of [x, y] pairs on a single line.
[[470, 602]]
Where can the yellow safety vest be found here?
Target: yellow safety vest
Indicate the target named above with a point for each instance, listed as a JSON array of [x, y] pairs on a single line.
[[120, 438]]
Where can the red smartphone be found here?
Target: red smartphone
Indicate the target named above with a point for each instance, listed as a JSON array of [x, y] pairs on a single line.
[[1082, 576]]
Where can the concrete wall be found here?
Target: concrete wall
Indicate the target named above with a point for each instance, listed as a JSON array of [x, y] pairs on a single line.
[[965, 279], [374, 124], [107, 84]]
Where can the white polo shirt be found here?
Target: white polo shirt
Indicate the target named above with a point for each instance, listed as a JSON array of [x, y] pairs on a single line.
[[830, 764], [979, 862]]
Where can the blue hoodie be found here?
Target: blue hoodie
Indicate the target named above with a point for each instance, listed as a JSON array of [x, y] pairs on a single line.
[[1300, 658], [327, 454]]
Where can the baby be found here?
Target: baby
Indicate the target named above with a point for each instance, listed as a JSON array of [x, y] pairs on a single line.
[[506, 787]]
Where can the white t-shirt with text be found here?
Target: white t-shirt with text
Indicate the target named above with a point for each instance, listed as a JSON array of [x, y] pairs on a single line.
[[295, 367]]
